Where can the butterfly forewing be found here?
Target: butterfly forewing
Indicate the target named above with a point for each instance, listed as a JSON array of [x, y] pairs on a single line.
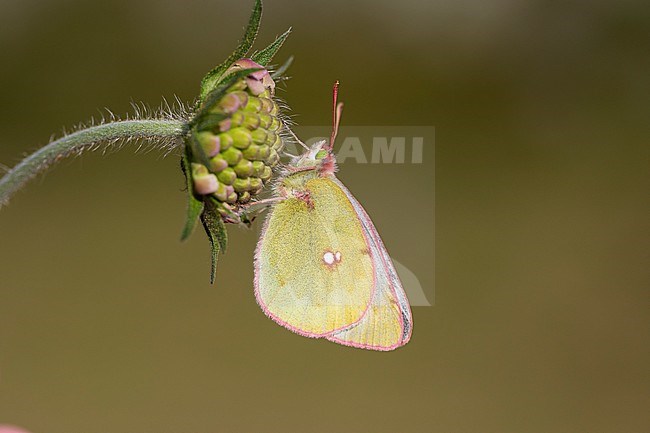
[[313, 265]]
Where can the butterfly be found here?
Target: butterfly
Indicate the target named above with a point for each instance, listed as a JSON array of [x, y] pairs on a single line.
[[321, 268]]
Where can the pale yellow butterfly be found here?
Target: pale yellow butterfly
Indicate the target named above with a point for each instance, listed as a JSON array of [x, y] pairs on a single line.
[[321, 269]]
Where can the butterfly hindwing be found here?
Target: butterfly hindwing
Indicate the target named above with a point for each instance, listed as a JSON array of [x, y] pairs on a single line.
[[388, 322]]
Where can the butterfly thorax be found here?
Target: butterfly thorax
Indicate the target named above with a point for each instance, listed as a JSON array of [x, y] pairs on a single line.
[[295, 185], [317, 162]]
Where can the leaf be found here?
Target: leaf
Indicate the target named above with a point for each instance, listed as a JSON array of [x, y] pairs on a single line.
[[211, 80], [216, 231], [194, 205], [266, 55]]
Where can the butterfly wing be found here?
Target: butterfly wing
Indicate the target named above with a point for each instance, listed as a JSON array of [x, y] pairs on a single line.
[[314, 273], [388, 322]]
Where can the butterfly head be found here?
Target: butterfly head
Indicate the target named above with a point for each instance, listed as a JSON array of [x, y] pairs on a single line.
[[318, 156]]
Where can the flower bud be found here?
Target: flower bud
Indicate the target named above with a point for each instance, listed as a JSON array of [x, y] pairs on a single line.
[[217, 164], [245, 143], [256, 184], [242, 185], [254, 104], [210, 143], [221, 193], [259, 136], [232, 156], [241, 137], [244, 168], [266, 174], [227, 176], [258, 168], [204, 181]]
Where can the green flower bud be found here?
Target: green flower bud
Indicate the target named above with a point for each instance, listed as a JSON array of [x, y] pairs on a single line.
[[243, 146], [225, 140], [278, 144], [232, 156], [258, 168], [256, 184], [259, 135], [210, 143], [227, 176], [204, 182], [221, 193], [252, 152], [268, 106], [244, 168], [242, 185], [251, 121], [224, 125], [266, 174], [237, 119], [273, 158], [232, 198], [241, 137], [254, 104], [263, 152], [239, 85], [218, 163], [275, 124], [265, 94], [230, 103], [265, 120]]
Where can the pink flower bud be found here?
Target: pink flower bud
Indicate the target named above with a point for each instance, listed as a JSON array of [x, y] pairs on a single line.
[[258, 81]]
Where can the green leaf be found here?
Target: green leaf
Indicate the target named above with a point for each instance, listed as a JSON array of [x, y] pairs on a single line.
[[194, 205], [266, 55], [216, 231], [211, 80]]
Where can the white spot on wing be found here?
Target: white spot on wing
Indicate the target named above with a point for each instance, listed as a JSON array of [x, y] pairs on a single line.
[[329, 258]]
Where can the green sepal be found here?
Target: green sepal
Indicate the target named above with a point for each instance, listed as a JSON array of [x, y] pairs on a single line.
[[266, 55], [220, 90], [211, 80], [196, 152], [194, 205], [209, 121], [216, 231], [282, 69]]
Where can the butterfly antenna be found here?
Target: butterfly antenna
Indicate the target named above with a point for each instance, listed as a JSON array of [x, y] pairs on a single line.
[[337, 109]]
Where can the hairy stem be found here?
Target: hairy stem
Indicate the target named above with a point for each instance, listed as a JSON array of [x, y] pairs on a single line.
[[39, 161]]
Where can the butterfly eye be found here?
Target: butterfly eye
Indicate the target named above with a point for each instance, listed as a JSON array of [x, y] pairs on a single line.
[[321, 154]]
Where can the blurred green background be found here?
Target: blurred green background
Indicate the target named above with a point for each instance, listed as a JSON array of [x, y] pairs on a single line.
[[541, 320]]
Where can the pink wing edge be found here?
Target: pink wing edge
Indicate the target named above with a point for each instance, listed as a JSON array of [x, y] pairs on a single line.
[[279, 321]]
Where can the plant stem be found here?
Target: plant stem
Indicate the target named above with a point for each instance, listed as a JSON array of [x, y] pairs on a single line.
[[39, 161]]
